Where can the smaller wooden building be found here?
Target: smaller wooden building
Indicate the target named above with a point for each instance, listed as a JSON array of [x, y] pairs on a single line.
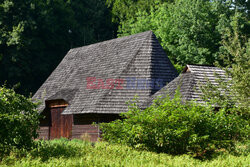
[[188, 83]]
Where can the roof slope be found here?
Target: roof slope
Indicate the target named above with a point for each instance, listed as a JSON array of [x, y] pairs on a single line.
[[136, 56], [188, 83]]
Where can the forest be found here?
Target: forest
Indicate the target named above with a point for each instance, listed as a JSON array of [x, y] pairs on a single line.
[[36, 35]]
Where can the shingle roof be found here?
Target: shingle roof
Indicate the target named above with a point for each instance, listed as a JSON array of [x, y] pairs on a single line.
[[138, 56], [189, 82]]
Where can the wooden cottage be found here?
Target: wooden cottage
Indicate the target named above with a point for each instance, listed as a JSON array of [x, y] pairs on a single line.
[[93, 83], [188, 83]]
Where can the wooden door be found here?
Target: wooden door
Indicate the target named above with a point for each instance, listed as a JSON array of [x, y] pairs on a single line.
[[61, 125]]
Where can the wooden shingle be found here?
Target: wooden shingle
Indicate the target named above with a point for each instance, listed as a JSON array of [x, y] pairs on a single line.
[[189, 82], [138, 56]]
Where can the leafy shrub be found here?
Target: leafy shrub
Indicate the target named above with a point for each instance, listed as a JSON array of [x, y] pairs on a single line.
[[19, 121], [174, 127]]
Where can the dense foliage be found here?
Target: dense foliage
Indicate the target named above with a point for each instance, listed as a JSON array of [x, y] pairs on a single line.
[[189, 30], [80, 153], [35, 35], [18, 121], [171, 126], [235, 57]]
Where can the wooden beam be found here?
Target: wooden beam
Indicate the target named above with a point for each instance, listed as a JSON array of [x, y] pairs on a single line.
[[56, 103]]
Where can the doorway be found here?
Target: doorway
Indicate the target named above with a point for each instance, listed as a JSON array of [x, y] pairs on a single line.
[[61, 125]]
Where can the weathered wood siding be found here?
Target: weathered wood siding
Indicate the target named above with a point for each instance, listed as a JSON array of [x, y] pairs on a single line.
[[44, 125], [55, 125], [80, 126], [61, 125], [83, 125], [43, 132]]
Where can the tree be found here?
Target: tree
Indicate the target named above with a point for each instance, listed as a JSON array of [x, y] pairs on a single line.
[[124, 10], [188, 30], [19, 121], [35, 35], [235, 60], [242, 5]]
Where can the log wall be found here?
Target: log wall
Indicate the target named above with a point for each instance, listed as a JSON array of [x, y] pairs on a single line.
[[44, 125], [82, 126]]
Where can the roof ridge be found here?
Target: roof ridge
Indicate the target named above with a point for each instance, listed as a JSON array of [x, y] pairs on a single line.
[[191, 67], [107, 91], [109, 40], [202, 65]]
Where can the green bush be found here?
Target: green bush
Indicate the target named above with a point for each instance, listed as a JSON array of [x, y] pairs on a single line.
[[174, 127], [19, 121]]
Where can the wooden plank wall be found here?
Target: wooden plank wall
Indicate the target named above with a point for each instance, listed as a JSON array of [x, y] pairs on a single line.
[[82, 125], [61, 125], [45, 122], [44, 125], [83, 128]]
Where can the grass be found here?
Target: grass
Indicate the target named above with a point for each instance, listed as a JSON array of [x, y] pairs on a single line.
[[63, 153]]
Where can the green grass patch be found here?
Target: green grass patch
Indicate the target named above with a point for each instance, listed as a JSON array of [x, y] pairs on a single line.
[[85, 154]]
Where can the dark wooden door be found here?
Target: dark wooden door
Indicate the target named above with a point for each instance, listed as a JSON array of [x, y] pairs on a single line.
[[61, 125]]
